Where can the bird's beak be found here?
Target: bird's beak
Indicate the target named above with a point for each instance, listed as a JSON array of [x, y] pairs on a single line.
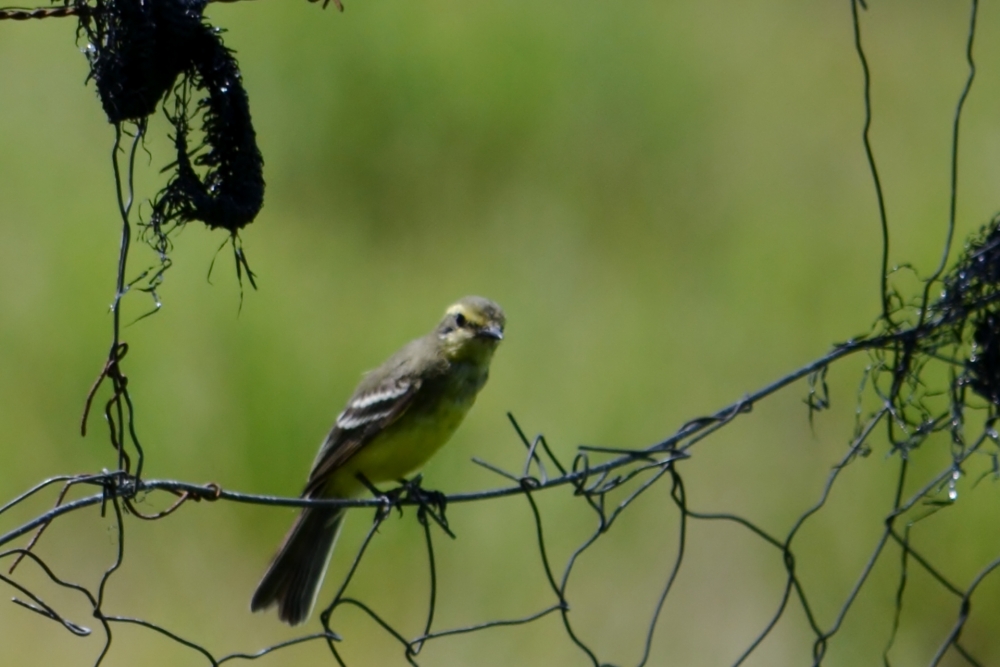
[[491, 331]]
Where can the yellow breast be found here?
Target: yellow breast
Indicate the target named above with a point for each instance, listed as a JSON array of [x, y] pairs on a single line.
[[402, 448]]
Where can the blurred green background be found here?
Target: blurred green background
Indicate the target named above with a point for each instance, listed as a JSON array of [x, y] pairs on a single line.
[[671, 202]]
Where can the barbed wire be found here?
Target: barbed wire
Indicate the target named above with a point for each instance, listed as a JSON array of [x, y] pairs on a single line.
[[924, 356], [32, 13]]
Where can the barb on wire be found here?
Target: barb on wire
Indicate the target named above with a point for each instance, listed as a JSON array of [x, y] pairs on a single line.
[[78, 10]]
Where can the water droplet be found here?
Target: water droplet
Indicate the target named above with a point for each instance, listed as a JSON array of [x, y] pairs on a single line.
[[952, 491]]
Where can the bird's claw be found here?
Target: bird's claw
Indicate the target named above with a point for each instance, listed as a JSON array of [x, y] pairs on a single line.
[[430, 503]]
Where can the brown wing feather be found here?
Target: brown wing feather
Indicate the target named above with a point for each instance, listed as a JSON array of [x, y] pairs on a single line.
[[366, 415]]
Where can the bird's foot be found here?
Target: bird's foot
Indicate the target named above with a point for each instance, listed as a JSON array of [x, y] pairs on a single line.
[[429, 503]]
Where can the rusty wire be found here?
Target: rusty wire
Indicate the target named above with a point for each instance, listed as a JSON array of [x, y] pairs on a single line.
[[30, 13]]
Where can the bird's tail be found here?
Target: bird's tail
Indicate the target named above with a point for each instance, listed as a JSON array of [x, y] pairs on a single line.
[[293, 578]]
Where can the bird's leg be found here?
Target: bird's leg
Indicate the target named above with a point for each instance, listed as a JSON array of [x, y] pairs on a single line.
[[428, 502], [388, 499]]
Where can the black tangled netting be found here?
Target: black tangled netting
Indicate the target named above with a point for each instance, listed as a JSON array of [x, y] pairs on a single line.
[[933, 376], [969, 312], [143, 54]]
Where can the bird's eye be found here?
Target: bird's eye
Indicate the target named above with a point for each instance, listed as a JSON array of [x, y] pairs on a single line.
[[460, 319]]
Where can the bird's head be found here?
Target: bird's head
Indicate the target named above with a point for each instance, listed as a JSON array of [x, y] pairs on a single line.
[[472, 327]]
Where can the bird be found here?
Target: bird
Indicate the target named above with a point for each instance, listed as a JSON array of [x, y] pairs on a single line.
[[399, 415]]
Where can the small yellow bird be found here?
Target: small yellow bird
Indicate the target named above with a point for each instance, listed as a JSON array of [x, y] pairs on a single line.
[[400, 414]]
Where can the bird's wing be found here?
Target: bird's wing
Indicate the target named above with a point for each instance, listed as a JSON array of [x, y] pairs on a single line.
[[366, 415]]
